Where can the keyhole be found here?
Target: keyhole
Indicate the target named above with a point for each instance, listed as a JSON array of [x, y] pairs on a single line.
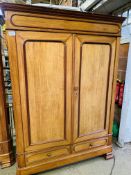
[[76, 90]]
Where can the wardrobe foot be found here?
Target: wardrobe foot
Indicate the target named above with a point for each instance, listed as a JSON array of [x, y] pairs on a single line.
[[109, 155]]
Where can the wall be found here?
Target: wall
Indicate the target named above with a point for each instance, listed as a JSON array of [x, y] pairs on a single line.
[[125, 125], [122, 65]]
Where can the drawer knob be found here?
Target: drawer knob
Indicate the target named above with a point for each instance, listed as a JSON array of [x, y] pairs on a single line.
[[76, 90], [91, 144], [49, 154]]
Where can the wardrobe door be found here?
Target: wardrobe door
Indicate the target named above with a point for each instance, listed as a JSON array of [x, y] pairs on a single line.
[[45, 77], [93, 78]]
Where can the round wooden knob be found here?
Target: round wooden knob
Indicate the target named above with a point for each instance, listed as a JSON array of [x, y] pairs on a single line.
[[91, 144], [49, 154]]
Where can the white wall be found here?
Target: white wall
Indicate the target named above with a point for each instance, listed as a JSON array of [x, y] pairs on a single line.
[[125, 124]]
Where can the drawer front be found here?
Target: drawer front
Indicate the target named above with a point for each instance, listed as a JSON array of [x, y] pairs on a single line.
[[89, 145], [33, 158]]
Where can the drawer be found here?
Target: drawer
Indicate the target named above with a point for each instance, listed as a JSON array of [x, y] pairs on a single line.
[[89, 145], [31, 158]]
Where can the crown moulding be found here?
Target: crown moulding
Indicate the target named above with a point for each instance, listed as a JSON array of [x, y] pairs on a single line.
[[59, 12]]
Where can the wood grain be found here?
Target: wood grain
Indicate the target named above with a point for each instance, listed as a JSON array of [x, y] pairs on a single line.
[[58, 12], [45, 22], [46, 156], [93, 87], [89, 145], [93, 80], [45, 71], [16, 98], [63, 72], [61, 24], [64, 161], [46, 90]]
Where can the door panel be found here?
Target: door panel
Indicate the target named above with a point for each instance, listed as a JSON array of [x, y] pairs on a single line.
[[94, 60], [45, 87], [93, 85], [45, 66]]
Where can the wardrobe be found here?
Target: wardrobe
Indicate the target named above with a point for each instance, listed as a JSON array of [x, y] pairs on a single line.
[[63, 70]]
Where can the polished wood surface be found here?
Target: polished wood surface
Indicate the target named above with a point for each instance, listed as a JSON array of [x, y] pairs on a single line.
[[47, 155], [94, 58], [16, 99], [50, 11], [42, 22], [44, 88], [65, 160], [39, 22], [45, 93], [63, 72], [90, 144]]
